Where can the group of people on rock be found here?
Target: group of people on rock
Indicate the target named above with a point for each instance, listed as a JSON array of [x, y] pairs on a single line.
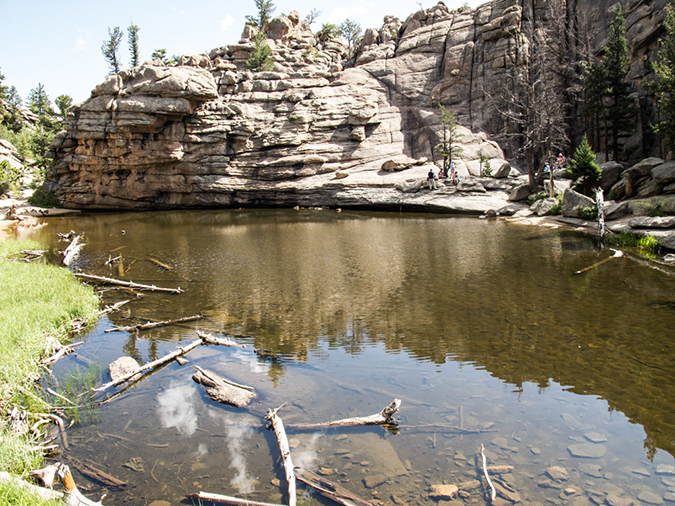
[[559, 163], [450, 174]]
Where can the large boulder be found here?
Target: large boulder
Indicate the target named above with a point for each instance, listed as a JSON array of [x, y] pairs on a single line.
[[611, 172], [573, 202], [664, 173], [520, 192]]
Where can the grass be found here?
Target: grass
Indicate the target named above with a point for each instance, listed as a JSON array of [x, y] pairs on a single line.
[[36, 300]]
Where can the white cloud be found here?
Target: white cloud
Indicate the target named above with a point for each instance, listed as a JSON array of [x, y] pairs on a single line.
[[81, 41], [176, 407], [226, 22]]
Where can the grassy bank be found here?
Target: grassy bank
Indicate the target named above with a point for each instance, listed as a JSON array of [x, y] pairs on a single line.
[[36, 300]]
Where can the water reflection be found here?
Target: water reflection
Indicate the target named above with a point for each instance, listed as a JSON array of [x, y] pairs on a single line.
[[176, 408], [459, 310]]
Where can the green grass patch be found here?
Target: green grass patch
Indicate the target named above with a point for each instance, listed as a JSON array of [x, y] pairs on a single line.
[[36, 300]]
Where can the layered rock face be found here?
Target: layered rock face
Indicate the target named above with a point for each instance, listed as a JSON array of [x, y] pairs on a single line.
[[210, 132]]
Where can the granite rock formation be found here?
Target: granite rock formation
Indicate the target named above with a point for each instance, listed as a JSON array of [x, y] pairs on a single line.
[[314, 131]]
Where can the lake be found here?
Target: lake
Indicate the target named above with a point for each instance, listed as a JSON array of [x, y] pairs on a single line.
[[480, 327]]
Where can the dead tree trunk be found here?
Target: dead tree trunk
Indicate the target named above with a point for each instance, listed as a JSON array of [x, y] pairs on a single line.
[[384, 417], [278, 426]]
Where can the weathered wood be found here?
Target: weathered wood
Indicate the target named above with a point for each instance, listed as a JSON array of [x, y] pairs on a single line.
[[150, 365], [382, 418], [441, 427], [617, 254], [153, 325], [222, 390], [226, 499], [277, 425], [493, 492], [128, 284], [219, 341], [96, 474], [330, 490], [114, 307], [73, 496], [44, 493], [73, 250], [160, 264]]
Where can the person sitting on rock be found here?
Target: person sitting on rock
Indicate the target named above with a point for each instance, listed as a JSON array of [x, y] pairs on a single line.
[[453, 173], [431, 180]]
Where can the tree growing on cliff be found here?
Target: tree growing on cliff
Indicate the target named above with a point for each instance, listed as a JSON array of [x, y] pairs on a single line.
[[448, 137], [351, 31], [664, 83], [64, 103], [313, 14], [265, 10], [132, 32], [260, 59], [110, 47]]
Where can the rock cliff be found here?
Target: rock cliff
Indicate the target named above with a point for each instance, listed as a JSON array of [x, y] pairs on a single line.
[[209, 132]]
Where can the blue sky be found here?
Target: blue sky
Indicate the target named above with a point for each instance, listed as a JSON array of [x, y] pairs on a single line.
[[58, 43]]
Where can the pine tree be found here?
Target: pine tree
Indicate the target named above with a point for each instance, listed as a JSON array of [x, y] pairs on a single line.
[[265, 10], [583, 166], [110, 48], [64, 103], [133, 43], [39, 103], [664, 85], [448, 137], [261, 57], [620, 109]]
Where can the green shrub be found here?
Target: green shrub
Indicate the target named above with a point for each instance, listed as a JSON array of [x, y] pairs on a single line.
[[656, 211], [536, 196], [42, 198], [9, 177], [557, 209], [588, 213], [648, 244]]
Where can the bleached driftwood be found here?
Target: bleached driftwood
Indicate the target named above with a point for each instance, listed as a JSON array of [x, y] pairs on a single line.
[[382, 418], [226, 499], [219, 341], [73, 496], [223, 390], [330, 490], [617, 254], [278, 426], [150, 365], [153, 325], [128, 284], [73, 250], [114, 307], [493, 492], [45, 493]]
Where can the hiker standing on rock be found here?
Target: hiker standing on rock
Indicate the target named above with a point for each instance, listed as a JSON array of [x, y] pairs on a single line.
[[431, 180]]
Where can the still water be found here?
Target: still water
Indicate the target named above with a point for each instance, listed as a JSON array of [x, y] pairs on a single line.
[[480, 327]]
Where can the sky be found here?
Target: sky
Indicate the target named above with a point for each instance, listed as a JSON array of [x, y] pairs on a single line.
[[58, 43]]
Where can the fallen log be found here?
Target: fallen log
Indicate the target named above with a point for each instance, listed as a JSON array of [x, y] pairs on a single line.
[[617, 254], [441, 427], [114, 307], [153, 325], [278, 426], [219, 341], [384, 417], [330, 490], [226, 499], [222, 390], [45, 493], [73, 250], [160, 264], [73, 496], [96, 474], [150, 365], [128, 284]]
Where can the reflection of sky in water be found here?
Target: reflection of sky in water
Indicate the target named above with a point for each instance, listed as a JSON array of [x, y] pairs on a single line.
[[305, 455], [251, 359], [176, 407], [237, 433]]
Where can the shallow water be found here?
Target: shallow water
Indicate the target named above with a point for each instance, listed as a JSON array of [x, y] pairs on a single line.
[[480, 327]]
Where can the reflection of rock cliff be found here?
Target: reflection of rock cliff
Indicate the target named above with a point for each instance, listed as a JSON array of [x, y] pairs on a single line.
[[211, 132]]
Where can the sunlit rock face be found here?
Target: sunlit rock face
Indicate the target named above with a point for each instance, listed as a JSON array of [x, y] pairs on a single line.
[[315, 130]]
